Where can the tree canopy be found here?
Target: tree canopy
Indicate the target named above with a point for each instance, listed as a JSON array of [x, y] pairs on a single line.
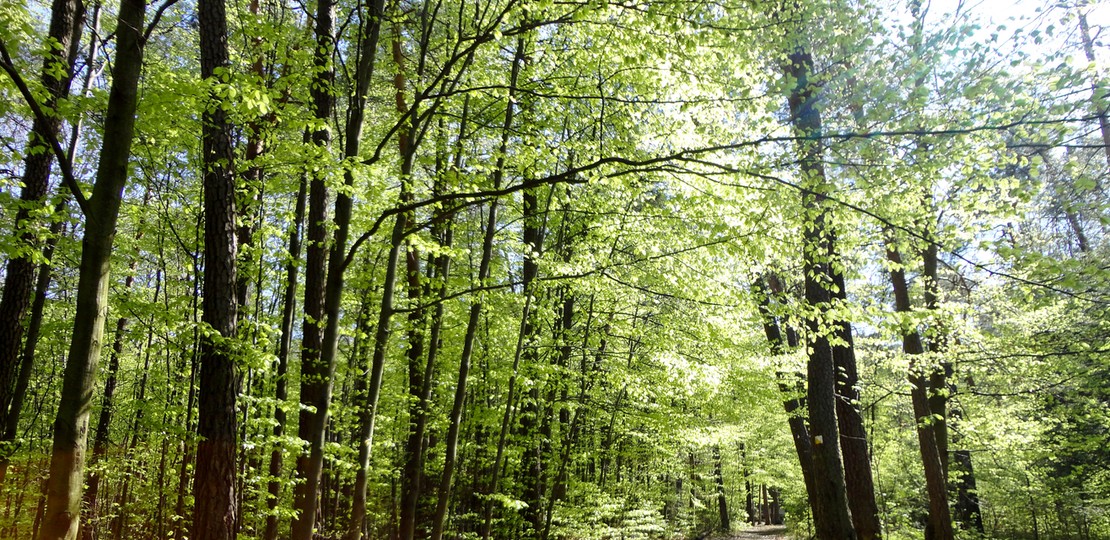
[[536, 269]]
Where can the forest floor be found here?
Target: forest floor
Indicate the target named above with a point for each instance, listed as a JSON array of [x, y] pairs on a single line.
[[768, 532]]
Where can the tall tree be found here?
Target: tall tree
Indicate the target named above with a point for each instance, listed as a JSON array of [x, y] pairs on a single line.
[[66, 20], [831, 516], [316, 371], [216, 506], [101, 210], [936, 481]]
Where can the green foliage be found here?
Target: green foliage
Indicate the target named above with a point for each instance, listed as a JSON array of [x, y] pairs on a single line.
[[666, 181]]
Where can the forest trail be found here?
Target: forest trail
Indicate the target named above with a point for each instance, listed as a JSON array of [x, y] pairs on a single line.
[[768, 532]]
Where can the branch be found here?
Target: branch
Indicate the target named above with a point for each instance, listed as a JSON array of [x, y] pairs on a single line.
[[907, 230], [157, 18], [663, 161], [64, 164]]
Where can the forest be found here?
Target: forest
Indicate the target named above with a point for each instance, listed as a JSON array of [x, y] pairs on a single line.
[[554, 269]]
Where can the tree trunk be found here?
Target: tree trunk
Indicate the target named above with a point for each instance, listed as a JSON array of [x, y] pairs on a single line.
[[529, 273], [66, 20], [289, 301], [940, 521], [316, 371], [216, 506], [722, 503], [450, 452], [967, 511], [10, 426], [67, 462], [853, 436], [1097, 98], [792, 386], [103, 423], [420, 388], [831, 515]]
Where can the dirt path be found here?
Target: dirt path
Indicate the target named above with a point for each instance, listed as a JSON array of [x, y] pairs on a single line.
[[770, 532]]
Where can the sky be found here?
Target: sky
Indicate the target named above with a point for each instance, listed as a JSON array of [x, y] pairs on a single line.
[[1034, 14]]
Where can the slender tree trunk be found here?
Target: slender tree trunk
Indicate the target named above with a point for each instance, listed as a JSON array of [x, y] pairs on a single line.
[[792, 386], [107, 406], [66, 20], [532, 462], [188, 445], [722, 502], [216, 505], [940, 521], [831, 515], [853, 437], [967, 511], [414, 355], [1098, 98], [10, 426], [498, 176], [103, 424], [558, 490], [420, 388], [67, 463], [316, 371], [439, 517], [288, 309]]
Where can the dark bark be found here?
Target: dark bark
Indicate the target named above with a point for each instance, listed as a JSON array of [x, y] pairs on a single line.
[[67, 461], [216, 506], [532, 462], [188, 445], [722, 502], [558, 490], [792, 386], [420, 377], [451, 443], [366, 399], [414, 356], [498, 176], [10, 426], [66, 20], [831, 515], [288, 310], [853, 435], [317, 372], [940, 521], [967, 511], [938, 375]]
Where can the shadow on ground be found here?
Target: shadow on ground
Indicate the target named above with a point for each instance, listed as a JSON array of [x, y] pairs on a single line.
[[770, 532]]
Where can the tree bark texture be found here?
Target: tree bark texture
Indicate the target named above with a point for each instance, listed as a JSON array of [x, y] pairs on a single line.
[[792, 386], [853, 435], [67, 461], [722, 502], [10, 427], [1097, 98], [831, 515], [289, 301], [316, 371], [216, 506], [940, 520], [66, 20]]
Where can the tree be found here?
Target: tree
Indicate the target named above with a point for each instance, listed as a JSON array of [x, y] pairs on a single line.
[[63, 42], [216, 508], [831, 516], [101, 210]]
